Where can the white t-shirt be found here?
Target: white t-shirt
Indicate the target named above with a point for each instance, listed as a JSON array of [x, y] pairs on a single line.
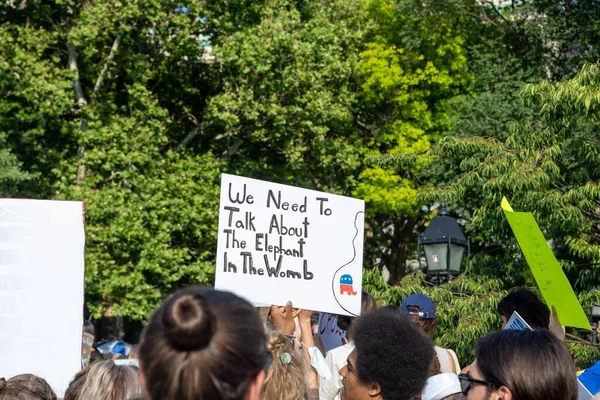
[[448, 360], [336, 359]]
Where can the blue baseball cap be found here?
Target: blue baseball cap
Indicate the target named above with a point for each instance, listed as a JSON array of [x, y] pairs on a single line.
[[423, 303]]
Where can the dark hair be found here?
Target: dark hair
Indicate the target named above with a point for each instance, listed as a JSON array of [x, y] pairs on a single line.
[[393, 352], [529, 307], [75, 385], [367, 304], [534, 365], [26, 387], [202, 343], [88, 327]]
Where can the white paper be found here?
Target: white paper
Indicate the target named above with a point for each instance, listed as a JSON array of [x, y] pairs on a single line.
[[41, 289], [331, 336], [132, 362], [315, 238], [582, 392], [517, 323]]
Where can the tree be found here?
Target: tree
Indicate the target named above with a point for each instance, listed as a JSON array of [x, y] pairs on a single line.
[[289, 90], [100, 94], [547, 166], [413, 64]]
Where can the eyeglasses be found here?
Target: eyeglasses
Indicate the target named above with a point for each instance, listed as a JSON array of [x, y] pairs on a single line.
[[466, 382]]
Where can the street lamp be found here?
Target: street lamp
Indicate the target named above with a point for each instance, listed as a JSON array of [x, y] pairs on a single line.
[[444, 245]]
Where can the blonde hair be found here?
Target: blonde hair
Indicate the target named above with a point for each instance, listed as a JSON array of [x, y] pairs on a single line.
[[286, 378], [107, 381]]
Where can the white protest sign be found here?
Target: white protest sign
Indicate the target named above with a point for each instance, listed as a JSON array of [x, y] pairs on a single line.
[[41, 289], [331, 336], [517, 323], [582, 392], [280, 243]]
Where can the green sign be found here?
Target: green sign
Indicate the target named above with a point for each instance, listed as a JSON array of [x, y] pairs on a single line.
[[548, 274]]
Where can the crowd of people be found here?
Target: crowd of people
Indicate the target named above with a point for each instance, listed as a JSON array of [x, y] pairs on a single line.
[[202, 343]]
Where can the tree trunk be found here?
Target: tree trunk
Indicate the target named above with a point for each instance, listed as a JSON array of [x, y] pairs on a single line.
[[403, 235]]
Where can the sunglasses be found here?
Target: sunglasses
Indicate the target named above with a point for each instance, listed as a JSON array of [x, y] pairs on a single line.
[[466, 383]]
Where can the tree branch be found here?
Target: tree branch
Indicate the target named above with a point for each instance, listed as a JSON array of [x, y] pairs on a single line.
[[189, 137], [111, 56], [83, 104], [79, 96], [232, 149]]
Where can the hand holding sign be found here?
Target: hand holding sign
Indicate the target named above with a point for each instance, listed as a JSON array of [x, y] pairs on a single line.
[[283, 318]]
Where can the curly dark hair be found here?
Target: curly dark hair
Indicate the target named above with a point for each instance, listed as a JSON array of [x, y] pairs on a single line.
[[393, 352]]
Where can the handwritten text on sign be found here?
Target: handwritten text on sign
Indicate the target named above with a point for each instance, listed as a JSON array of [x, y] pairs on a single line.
[[548, 274], [279, 243]]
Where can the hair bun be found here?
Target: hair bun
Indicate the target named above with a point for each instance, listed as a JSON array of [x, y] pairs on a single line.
[[189, 325], [2, 383]]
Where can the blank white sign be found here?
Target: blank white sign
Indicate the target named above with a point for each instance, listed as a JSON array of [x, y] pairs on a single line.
[[41, 289]]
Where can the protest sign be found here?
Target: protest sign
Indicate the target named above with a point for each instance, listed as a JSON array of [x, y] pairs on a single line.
[[548, 274], [582, 392], [41, 282], [331, 336], [517, 323], [280, 243], [87, 346]]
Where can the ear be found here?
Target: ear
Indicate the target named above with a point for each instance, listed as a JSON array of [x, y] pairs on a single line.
[[374, 389], [504, 393], [256, 386]]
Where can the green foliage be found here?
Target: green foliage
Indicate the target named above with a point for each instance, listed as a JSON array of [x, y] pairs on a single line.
[[285, 111], [151, 215], [547, 166]]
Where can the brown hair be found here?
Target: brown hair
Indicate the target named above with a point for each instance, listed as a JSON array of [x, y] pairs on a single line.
[[426, 325], [107, 381], [534, 365], [367, 304], [26, 387], [75, 386], [202, 343], [286, 377]]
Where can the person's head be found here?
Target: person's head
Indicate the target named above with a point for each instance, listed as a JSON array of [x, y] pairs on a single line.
[[421, 310], [107, 381], [367, 304], [26, 387], [286, 376], [74, 390], [203, 343], [391, 359], [529, 307], [88, 327], [520, 365]]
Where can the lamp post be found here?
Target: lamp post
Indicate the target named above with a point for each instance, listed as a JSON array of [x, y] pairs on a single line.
[[444, 245]]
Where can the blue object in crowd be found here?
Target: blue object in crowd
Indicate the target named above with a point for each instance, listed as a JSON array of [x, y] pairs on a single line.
[[425, 305], [114, 347], [590, 378]]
